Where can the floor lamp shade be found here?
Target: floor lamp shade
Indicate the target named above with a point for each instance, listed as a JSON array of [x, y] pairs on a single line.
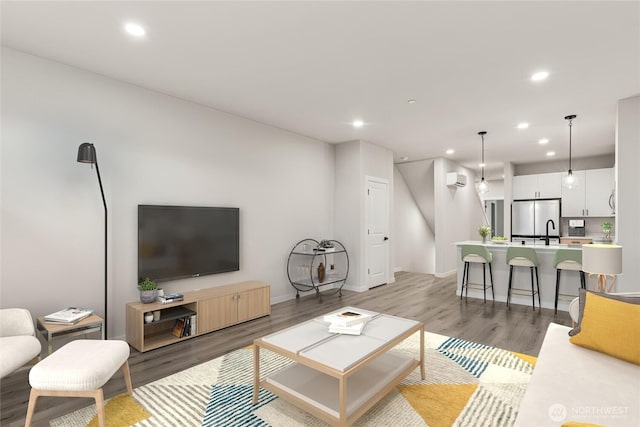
[[602, 259], [86, 153]]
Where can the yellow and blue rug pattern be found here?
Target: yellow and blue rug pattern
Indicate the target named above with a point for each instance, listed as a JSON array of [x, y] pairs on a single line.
[[466, 384]]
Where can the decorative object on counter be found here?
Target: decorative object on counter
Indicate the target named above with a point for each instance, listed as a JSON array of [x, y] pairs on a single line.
[[148, 290], [484, 231], [500, 239], [606, 229], [570, 181], [148, 317], [483, 187], [321, 272], [603, 261], [87, 154]]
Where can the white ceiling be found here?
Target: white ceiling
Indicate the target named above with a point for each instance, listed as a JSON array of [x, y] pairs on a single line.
[[313, 67]]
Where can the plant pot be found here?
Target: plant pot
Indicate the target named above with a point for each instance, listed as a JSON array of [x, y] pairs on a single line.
[[147, 297]]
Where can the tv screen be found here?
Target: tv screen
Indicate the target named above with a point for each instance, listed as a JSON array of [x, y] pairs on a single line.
[[175, 242]]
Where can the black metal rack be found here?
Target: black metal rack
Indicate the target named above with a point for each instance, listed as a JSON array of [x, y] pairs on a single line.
[[304, 260]]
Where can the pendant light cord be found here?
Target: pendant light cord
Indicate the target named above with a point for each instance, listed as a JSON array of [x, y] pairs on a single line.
[[570, 125]]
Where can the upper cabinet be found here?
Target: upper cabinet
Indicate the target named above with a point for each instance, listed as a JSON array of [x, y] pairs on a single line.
[[593, 196], [540, 186]]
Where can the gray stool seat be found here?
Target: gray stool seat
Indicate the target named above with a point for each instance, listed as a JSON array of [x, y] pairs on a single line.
[[566, 259], [523, 257], [476, 254]]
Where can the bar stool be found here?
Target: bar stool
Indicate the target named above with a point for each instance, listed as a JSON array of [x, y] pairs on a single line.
[[523, 257], [476, 254], [567, 259]]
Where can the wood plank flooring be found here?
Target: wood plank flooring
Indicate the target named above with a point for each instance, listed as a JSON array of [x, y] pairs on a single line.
[[415, 296]]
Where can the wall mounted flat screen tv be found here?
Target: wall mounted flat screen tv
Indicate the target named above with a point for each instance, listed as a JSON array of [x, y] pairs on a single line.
[[175, 242]]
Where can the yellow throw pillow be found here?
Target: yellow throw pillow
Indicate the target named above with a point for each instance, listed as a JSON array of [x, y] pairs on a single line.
[[610, 326]]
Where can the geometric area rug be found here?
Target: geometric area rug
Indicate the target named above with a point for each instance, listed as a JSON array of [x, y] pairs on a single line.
[[466, 384]]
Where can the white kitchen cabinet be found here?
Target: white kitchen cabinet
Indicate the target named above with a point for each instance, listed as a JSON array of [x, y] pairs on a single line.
[[540, 186], [592, 196]]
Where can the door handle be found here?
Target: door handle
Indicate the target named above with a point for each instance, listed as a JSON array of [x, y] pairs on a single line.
[[386, 238]]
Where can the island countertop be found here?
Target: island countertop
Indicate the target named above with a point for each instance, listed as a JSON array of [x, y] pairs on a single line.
[[569, 280]]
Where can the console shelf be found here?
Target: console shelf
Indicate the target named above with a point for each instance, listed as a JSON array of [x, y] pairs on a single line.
[[211, 308]]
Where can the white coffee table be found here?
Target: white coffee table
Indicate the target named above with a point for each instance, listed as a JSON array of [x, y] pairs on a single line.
[[338, 377]]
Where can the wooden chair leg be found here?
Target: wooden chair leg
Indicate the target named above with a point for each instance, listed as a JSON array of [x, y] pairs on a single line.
[[99, 397], [127, 377], [33, 398]]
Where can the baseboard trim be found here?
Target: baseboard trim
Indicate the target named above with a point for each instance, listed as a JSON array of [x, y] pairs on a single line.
[[446, 274]]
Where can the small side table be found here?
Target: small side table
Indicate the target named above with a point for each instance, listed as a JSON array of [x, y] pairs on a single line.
[[49, 331]]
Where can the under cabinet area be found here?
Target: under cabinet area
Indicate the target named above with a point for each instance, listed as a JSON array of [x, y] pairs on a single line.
[[210, 309]]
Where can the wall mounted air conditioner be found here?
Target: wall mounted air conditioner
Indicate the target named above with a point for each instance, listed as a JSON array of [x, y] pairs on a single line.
[[456, 180]]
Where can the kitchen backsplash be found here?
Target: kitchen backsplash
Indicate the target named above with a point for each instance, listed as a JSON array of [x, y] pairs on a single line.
[[592, 225]]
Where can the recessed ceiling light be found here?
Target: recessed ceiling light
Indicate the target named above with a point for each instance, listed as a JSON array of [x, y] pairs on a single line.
[[404, 158], [543, 141], [411, 101], [358, 123], [551, 153], [450, 151], [134, 29], [539, 76], [523, 125]]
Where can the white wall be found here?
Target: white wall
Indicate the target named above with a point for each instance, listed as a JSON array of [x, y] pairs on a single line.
[[420, 181], [414, 241], [627, 193], [458, 214], [496, 190], [152, 149]]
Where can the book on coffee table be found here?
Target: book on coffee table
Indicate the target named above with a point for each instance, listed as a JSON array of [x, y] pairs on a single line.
[[348, 317]]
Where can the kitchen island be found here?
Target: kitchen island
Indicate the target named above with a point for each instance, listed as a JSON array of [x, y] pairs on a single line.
[[569, 280]]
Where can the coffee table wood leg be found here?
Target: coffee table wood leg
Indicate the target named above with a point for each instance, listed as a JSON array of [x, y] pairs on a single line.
[[422, 353], [256, 372], [343, 401]]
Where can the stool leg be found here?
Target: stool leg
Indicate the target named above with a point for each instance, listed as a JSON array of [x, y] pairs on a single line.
[[555, 306], [33, 398], [538, 286], [582, 280], [509, 290], [533, 292], [493, 295], [127, 377], [466, 288], [464, 274], [484, 281], [99, 397]]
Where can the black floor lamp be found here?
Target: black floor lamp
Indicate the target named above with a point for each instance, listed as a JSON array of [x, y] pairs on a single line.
[[87, 154]]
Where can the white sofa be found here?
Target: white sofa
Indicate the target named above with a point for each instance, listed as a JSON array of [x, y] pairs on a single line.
[[572, 383], [18, 343]]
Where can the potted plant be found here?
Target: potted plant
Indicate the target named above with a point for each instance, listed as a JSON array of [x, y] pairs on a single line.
[[606, 229], [148, 290], [484, 231]]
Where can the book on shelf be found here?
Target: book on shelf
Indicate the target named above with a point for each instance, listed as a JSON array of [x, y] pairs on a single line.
[[348, 317], [178, 328], [192, 323], [68, 316], [169, 298], [349, 330]]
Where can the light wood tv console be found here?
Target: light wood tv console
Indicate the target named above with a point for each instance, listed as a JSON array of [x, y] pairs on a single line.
[[213, 308]]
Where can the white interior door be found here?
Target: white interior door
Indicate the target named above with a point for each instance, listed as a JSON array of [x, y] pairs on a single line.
[[377, 221]]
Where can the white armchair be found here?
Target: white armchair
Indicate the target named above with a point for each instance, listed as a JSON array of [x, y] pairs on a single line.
[[18, 342]]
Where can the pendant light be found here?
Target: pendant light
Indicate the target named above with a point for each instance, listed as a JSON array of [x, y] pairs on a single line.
[[570, 180], [483, 187]]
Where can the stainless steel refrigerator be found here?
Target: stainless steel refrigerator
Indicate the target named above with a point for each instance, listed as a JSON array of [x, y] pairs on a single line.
[[529, 220]]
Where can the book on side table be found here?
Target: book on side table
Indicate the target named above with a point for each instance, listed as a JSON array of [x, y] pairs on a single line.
[[68, 316]]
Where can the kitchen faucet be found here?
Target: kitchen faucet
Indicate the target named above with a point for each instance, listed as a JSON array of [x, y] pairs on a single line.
[[546, 237]]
